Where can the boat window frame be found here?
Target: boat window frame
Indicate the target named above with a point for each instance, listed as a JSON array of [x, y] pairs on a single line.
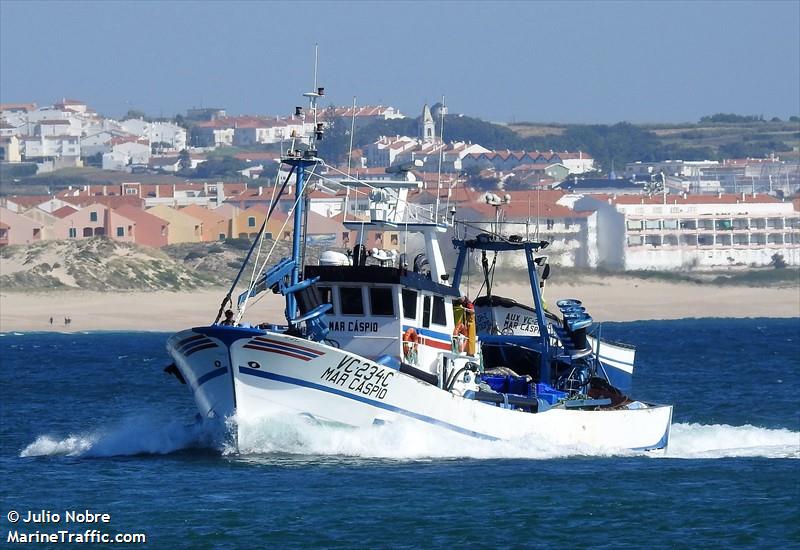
[[403, 293], [389, 291], [435, 310], [343, 302], [330, 289], [426, 311]]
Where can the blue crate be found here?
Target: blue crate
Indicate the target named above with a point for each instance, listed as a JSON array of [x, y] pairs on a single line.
[[549, 393]]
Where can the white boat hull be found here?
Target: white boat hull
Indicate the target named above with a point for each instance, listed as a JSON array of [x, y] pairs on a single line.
[[251, 374]]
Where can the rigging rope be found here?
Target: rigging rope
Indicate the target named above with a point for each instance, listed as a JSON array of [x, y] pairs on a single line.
[[274, 243]]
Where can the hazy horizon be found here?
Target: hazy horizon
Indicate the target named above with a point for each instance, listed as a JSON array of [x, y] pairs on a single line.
[[565, 62]]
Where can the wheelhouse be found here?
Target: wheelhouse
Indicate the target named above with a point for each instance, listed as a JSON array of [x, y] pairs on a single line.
[[382, 311]]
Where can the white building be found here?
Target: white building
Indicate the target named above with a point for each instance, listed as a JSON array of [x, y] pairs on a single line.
[[125, 154], [666, 232], [101, 141], [52, 151], [259, 130], [157, 132], [451, 154], [385, 150], [505, 161]]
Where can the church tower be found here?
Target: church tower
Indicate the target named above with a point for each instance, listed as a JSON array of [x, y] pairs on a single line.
[[427, 128]]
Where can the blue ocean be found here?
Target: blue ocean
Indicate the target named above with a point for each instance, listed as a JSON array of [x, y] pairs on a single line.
[[91, 422]]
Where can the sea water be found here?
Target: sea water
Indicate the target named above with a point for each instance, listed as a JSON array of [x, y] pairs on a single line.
[[92, 424]]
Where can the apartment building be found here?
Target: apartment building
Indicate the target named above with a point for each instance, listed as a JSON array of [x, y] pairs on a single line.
[[667, 232]]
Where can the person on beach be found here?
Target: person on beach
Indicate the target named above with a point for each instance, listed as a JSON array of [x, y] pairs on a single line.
[[228, 318], [51, 320]]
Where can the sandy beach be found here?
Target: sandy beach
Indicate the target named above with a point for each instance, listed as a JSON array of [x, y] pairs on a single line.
[[607, 299]]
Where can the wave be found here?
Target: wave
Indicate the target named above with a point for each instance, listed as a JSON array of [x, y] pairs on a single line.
[[410, 441], [133, 435], [284, 434], [723, 441]]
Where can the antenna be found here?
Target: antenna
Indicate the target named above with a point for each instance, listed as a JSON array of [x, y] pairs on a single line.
[[352, 134], [313, 96], [316, 63], [441, 154]]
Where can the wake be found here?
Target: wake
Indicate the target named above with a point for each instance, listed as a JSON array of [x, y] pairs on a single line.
[[722, 441], [411, 441], [284, 434], [135, 435]]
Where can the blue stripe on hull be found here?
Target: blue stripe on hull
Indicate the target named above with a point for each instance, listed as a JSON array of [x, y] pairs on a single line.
[[210, 376], [430, 333], [362, 399]]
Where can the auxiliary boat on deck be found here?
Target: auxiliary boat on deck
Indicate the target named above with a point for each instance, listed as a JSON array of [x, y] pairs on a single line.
[[374, 340], [498, 315]]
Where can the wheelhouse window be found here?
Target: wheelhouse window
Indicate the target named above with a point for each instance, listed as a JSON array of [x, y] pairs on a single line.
[[409, 304], [439, 317], [325, 295], [426, 311], [381, 301], [351, 300]]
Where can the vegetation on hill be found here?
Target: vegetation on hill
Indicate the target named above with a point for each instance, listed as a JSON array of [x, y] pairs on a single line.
[[101, 264], [94, 264], [715, 137]]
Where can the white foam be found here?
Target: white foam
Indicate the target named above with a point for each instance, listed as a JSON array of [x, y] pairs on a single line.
[[401, 440], [131, 436], [407, 440], [413, 441], [721, 441]]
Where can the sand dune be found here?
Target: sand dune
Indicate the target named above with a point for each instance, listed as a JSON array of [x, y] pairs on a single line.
[[607, 299]]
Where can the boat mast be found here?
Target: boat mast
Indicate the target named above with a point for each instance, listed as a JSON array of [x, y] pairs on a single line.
[[300, 161]]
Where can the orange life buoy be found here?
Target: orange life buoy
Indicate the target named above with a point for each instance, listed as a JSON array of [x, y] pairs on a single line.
[[410, 339]]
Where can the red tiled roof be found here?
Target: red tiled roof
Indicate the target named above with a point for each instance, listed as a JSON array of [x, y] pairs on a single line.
[[17, 106], [111, 201], [138, 215], [203, 214], [29, 201], [64, 211], [518, 211], [119, 140]]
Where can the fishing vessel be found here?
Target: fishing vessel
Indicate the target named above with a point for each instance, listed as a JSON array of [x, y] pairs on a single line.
[[377, 337]]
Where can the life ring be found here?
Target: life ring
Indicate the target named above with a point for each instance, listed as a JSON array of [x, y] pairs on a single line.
[[460, 338], [410, 340]]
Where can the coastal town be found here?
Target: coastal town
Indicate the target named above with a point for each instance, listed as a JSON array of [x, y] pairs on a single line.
[[664, 215]]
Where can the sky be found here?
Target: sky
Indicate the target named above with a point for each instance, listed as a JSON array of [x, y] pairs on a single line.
[[572, 62]]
